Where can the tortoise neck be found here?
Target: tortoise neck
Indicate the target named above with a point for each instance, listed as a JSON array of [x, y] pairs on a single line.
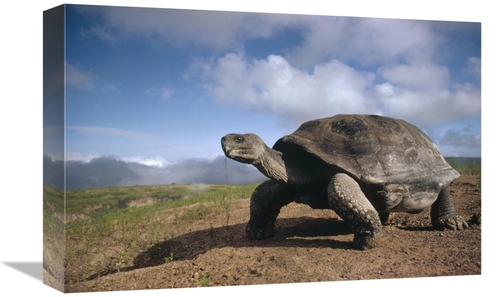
[[272, 165], [278, 166]]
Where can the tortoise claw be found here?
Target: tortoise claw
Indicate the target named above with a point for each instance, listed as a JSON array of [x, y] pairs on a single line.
[[365, 240], [452, 222]]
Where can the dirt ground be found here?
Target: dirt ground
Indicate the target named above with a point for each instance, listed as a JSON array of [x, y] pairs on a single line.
[[309, 246]]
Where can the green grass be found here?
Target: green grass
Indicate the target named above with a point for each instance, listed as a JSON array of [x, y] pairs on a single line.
[[470, 166], [204, 279], [54, 244], [96, 202], [103, 233], [99, 202], [53, 200]]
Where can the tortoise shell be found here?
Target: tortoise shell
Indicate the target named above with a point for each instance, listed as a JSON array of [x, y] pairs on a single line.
[[373, 149]]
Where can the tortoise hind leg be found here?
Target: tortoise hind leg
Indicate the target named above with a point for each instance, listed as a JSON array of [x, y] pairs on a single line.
[[265, 204], [348, 201], [443, 214]]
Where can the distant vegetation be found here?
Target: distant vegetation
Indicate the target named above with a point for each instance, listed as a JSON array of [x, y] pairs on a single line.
[[94, 203], [465, 165]]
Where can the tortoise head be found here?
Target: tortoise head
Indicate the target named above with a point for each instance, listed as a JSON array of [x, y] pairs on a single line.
[[244, 148]]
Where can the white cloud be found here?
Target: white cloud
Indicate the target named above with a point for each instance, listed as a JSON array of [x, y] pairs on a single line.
[[152, 161], [429, 107], [421, 92], [424, 94], [273, 84], [417, 76], [340, 64], [365, 41], [156, 161]]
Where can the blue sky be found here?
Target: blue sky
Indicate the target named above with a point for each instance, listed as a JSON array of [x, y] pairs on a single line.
[[156, 89]]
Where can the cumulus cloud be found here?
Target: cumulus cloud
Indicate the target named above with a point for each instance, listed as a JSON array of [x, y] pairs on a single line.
[[109, 171], [424, 93], [334, 65], [417, 76], [400, 73], [297, 95], [429, 107], [363, 40], [404, 90], [338, 65], [367, 41]]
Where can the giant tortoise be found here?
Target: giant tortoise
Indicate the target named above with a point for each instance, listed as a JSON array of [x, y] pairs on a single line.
[[361, 166]]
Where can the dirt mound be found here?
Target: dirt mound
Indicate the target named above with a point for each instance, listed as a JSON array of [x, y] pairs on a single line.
[[309, 246]]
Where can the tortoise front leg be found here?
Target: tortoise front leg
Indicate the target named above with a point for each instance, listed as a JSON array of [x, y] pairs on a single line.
[[348, 201], [267, 200], [443, 214]]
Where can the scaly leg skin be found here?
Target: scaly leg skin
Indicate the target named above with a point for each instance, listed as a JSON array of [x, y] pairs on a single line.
[[265, 204], [348, 201], [443, 214]]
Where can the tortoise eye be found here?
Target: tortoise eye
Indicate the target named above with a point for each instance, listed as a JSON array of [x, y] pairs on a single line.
[[238, 139]]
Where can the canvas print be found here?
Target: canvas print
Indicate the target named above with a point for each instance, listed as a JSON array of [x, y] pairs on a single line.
[[190, 148]]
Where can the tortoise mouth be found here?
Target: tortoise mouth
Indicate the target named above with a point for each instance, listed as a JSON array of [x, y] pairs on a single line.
[[242, 160], [237, 155]]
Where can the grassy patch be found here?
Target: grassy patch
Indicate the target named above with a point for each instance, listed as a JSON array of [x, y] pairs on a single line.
[[105, 233], [470, 166], [54, 244], [204, 279]]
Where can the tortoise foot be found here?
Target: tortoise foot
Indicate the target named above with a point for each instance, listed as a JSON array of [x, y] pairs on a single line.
[[254, 232], [452, 222], [365, 240]]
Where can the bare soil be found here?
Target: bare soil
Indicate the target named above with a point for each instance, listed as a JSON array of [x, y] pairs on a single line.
[[309, 246]]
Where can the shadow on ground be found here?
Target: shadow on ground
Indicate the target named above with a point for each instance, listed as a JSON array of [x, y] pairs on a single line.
[[290, 232]]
